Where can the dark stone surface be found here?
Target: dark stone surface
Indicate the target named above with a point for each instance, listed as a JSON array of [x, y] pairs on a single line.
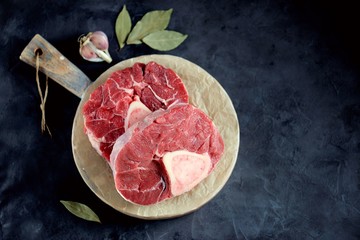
[[292, 71]]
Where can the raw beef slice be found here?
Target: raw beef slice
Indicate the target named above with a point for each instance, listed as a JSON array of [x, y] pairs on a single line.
[[126, 97], [166, 154]]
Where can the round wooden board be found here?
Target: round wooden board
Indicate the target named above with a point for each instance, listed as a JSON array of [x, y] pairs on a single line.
[[205, 93]]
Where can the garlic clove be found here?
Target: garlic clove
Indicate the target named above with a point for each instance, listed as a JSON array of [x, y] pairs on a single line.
[[87, 53], [94, 47], [100, 40]]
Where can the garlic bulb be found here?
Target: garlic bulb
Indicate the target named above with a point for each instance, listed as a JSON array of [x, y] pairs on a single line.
[[94, 47]]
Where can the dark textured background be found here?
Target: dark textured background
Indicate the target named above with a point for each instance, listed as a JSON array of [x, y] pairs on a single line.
[[292, 71]]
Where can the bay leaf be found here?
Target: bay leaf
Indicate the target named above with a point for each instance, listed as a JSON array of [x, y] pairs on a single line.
[[122, 26], [151, 22], [164, 40], [81, 210]]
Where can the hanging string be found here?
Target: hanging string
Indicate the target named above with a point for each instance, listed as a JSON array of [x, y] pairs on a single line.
[[44, 126]]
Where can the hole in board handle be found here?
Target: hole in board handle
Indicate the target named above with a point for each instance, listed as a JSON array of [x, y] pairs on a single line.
[[38, 51]]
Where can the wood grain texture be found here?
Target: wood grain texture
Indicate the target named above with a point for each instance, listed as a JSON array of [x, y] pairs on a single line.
[[55, 65]]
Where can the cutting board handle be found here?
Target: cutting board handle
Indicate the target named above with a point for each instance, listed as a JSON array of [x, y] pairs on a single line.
[[55, 65]]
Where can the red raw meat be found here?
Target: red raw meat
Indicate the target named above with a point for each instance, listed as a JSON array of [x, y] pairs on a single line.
[[166, 154], [126, 97]]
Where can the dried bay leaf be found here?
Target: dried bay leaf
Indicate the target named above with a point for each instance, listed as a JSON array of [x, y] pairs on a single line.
[[81, 210], [122, 26], [164, 40], [151, 22]]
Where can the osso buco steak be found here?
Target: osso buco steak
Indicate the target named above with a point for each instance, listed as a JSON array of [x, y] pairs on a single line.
[[166, 154], [126, 97]]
